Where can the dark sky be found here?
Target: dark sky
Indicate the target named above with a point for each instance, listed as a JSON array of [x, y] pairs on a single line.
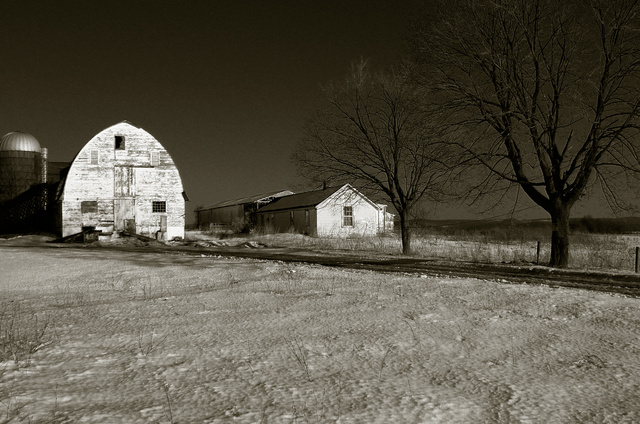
[[225, 86]]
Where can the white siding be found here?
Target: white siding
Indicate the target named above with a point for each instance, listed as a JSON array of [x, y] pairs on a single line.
[[124, 175], [330, 220]]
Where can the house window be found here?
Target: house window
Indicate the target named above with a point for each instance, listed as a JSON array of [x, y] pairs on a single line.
[[94, 157], [155, 158], [89, 206], [119, 142], [159, 207], [347, 216], [306, 218]]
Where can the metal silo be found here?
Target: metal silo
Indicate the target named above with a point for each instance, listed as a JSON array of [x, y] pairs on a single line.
[[21, 164]]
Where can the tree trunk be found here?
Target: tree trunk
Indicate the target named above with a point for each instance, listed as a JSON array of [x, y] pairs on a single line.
[[405, 232], [560, 236]]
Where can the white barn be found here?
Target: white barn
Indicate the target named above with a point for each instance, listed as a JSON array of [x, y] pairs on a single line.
[[123, 179], [335, 211]]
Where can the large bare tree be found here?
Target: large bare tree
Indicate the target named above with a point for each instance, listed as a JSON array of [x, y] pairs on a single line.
[[547, 91], [372, 131]]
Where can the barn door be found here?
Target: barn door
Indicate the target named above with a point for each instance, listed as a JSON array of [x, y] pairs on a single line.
[[163, 223], [124, 216]]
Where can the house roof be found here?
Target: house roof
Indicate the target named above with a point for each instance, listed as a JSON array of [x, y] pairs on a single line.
[[247, 199], [300, 200]]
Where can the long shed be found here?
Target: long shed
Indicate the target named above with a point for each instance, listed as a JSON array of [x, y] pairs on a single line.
[[235, 213], [334, 211]]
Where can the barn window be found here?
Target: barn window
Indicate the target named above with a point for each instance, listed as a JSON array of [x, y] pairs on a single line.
[[347, 216], [155, 158], [119, 142], [89, 206], [159, 207], [94, 157]]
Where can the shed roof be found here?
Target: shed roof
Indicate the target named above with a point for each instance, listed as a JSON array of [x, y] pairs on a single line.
[[247, 199], [300, 200]]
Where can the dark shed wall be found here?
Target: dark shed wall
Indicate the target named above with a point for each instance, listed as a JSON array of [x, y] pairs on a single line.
[[290, 220], [228, 215]]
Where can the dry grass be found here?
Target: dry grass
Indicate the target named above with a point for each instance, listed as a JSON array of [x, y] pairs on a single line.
[[142, 337], [22, 333], [587, 251]]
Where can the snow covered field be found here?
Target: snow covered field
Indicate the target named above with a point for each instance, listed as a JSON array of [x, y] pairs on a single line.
[[108, 336]]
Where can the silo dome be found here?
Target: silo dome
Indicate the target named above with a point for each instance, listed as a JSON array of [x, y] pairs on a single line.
[[18, 141]]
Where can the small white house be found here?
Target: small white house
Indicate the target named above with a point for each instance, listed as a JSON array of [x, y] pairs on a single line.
[[335, 211]]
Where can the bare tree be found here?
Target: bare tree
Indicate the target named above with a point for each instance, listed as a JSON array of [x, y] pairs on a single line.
[[546, 91], [372, 133]]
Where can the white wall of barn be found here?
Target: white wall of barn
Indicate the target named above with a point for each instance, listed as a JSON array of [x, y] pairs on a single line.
[[330, 215], [138, 175]]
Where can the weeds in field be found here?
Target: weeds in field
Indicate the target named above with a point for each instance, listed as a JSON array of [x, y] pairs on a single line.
[[589, 360], [289, 279], [264, 417], [147, 342], [231, 279], [415, 336], [58, 416], [398, 290], [22, 334], [14, 409], [69, 296], [330, 288], [311, 409], [383, 362], [169, 407], [119, 281], [153, 289], [299, 352]]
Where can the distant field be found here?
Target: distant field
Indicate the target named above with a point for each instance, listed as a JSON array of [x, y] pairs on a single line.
[[107, 336], [595, 243], [513, 228], [593, 251]]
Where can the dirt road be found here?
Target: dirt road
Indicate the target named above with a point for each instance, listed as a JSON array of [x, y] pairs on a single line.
[[622, 283], [611, 282]]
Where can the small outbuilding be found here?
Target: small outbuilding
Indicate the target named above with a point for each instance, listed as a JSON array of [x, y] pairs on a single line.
[[123, 179], [235, 213], [335, 211]]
